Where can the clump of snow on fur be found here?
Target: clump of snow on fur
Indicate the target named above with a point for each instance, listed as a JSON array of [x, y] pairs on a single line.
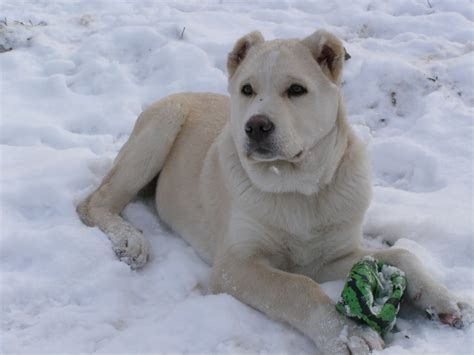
[[274, 169]]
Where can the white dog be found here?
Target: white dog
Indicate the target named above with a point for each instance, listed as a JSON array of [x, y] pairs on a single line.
[[270, 187]]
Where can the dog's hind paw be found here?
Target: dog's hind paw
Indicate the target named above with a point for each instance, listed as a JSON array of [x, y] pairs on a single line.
[[467, 313], [455, 313]]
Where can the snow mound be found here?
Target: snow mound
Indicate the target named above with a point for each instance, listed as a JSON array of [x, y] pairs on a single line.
[[405, 165]]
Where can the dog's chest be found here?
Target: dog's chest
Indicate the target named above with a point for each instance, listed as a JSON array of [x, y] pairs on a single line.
[[312, 247], [306, 232]]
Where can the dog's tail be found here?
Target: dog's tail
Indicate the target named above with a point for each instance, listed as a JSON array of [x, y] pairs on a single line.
[[138, 162]]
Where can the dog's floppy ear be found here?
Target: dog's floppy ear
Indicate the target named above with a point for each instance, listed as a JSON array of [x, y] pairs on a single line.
[[328, 51], [241, 48]]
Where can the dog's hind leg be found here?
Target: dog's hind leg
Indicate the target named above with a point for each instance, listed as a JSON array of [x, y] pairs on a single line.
[[425, 293], [138, 162]]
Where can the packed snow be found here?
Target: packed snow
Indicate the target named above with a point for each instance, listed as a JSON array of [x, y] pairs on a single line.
[[74, 77]]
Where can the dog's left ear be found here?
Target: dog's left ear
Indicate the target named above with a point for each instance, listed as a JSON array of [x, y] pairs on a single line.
[[328, 51]]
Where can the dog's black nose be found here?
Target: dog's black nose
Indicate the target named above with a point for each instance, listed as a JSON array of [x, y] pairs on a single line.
[[259, 127]]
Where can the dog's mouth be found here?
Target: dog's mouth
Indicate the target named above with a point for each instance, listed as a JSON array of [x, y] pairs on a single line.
[[265, 155]]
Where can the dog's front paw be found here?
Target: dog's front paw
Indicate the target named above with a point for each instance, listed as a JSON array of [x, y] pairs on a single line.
[[340, 335], [356, 340], [132, 249]]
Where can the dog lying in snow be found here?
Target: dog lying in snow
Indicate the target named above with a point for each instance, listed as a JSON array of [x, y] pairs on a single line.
[[269, 185]]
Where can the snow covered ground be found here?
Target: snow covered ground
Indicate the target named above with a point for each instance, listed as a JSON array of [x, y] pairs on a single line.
[[78, 74]]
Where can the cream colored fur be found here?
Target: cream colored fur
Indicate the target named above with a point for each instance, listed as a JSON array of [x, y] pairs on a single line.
[[271, 227]]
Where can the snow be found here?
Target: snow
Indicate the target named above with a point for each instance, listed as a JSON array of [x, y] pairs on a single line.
[[74, 77]]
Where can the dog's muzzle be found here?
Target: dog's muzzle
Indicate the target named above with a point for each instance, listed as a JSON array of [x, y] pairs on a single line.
[[259, 128]]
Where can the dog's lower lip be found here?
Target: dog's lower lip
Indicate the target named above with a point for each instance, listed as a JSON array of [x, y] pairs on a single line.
[[261, 152], [262, 158]]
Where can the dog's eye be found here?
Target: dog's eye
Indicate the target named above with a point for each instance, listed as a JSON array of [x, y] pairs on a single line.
[[296, 90], [247, 90]]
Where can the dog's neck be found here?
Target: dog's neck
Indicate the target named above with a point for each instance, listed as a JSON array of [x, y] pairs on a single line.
[[331, 149]]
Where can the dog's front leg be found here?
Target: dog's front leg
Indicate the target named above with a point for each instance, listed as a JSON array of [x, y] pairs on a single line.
[[293, 298]]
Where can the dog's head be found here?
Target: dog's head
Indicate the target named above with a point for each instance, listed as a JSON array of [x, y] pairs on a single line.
[[284, 100]]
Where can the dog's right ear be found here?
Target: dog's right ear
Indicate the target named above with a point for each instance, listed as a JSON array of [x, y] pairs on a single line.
[[241, 48]]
